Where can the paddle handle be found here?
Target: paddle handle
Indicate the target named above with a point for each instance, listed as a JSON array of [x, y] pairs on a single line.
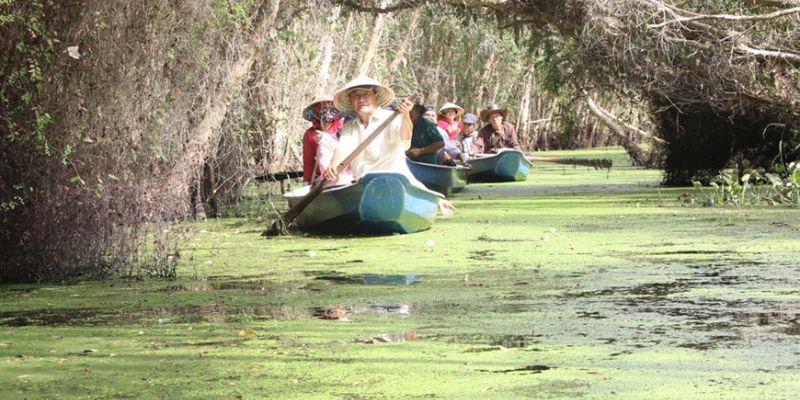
[[588, 162]]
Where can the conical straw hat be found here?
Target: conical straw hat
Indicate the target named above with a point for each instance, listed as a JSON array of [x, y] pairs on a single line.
[[320, 98], [342, 102], [451, 106]]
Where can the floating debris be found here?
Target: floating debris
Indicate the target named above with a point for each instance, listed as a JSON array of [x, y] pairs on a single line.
[[338, 312], [407, 336]]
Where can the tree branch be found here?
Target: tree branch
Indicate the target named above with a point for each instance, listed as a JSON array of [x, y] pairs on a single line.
[[638, 156], [402, 5], [728, 17], [770, 54]]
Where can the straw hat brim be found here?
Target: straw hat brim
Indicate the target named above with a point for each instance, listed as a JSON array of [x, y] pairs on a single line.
[[451, 106], [342, 101], [317, 99], [486, 113]]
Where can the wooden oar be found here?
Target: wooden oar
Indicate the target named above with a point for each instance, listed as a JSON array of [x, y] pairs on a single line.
[[279, 227], [595, 163]]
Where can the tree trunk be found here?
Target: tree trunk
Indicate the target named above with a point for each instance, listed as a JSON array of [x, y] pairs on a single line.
[[205, 134], [496, 89], [399, 56], [325, 67], [347, 58], [480, 91], [639, 156], [372, 47], [523, 127]]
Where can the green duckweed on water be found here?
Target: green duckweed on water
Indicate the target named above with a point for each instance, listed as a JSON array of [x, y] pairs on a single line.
[[575, 284]]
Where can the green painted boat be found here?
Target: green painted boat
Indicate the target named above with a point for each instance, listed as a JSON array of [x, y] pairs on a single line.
[[506, 166], [439, 178], [379, 203]]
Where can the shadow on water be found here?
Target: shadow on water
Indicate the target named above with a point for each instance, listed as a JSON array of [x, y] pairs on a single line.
[[655, 290], [507, 341], [306, 251], [535, 369], [485, 238], [689, 252], [680, 314], [155, 315], [370, 279], [207, 286], [183, 314], [482, 255], [342, 311], [700, 278]]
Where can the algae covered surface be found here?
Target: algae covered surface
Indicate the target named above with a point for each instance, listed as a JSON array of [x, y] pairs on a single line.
[[578, 283]]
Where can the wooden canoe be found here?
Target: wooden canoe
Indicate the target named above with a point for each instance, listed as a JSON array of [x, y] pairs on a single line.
[[379, 203], [507, 166], [439, 178]]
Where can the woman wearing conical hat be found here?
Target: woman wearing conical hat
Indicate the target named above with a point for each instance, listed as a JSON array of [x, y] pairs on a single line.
[[449, 119], [326, 122]]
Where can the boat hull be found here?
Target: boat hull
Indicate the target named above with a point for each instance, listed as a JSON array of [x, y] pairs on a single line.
[[379, 203], [439, 178], [507, 166]]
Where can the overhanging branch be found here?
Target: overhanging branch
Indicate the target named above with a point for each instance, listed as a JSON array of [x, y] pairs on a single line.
[[770, 54], [728, 17], [402, 5]]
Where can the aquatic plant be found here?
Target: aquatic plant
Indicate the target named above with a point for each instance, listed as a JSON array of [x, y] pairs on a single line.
[[755, 188]]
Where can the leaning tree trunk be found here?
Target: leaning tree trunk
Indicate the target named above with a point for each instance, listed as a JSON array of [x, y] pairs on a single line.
[[399, 56], [173, 186], [325, 66], [480, 91], [639, 156], [372, 48]]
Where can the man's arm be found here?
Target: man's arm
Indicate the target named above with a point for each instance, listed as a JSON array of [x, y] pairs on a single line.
[[405, 128], [513, 141], [415, 152]]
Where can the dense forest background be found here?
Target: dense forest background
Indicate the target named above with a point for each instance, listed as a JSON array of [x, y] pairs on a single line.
[[121, 118]]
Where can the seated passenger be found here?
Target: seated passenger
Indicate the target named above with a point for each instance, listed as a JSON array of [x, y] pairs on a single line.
[[466, 138], [449, 115], [425, 138], [325, 149], [325, 121], [497, 135], [450, 152]]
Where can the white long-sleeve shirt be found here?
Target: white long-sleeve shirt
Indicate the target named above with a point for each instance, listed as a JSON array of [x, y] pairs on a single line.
[[387, 153]]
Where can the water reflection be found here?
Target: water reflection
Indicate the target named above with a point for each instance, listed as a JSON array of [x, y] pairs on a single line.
[[372, 279]]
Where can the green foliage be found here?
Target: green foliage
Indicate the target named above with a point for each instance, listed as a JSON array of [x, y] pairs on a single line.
[[232, 12], [756, 188], [16, 200], [26, 33], [77, 180]]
